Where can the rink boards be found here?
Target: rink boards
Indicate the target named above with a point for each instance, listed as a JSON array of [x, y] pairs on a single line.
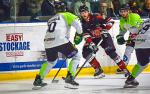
[[22, 51]]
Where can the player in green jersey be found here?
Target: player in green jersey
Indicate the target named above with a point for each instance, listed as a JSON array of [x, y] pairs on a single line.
[[57, 40], [129, 22]]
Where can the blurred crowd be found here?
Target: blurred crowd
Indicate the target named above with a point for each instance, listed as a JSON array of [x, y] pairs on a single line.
[[34, 8]]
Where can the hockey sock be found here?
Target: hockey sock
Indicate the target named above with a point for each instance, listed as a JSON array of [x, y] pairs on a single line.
[[46, 67], [137, 70], [127, 54], [120, 63], [73, 64], [95, 64], [71, 68]]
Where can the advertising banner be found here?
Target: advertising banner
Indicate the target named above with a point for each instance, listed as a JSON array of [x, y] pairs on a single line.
[[21, 46]]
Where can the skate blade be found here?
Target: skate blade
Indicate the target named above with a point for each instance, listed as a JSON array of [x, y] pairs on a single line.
[[120, 72], [55, 81], [36, 87], [129, 86], [71, 86], [99, 76]]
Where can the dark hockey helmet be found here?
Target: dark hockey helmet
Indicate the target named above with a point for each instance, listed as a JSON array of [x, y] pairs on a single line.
[[83, 8], [60, 6], [125, 7]]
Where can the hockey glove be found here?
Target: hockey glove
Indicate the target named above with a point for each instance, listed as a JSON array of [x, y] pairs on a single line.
[[93, 47], [77, 39], [120, 39]]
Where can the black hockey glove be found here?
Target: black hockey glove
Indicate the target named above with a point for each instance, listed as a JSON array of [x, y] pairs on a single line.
[[93, 47], [120, 39]]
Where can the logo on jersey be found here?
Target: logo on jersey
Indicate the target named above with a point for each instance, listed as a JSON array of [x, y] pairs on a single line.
[[125, 58], [139, 39], [14, 45]]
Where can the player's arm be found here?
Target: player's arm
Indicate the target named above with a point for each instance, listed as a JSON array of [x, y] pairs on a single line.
[[109, 22], [78, 35], [120, 36], [106, 23], [73, 20], [77, 25]]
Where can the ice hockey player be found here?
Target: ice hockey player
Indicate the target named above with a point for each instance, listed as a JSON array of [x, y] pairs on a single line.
[[142, 49], [95, 29], [57, 40], [129, 22]]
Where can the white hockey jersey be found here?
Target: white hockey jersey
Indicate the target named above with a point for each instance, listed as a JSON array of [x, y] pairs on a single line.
[[58, 29], [142, 40]]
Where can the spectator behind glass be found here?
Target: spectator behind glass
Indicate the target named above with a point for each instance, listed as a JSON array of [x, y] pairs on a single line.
[[134, 7], [106, 9], [79, 3], [4, 12], [103, 9], [140, 3], [30, 8], [47, 7], [117, 5], [70, 4], [122, 2], [146, 10]]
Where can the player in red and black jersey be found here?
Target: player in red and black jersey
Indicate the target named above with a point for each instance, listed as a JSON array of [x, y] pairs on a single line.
[[95, 29]]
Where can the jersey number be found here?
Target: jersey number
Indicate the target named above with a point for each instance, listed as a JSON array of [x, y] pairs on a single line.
[[51, 27], [145, 28]]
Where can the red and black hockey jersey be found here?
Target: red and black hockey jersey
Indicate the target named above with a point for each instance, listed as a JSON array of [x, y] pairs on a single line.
[[95, 22]]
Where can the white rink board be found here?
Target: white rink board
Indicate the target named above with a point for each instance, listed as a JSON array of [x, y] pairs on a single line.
[[35, 32]]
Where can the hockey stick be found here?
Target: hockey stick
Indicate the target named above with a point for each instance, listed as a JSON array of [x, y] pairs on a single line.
[[54, 80], [88, 59]]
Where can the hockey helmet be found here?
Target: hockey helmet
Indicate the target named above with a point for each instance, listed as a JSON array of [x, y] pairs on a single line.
[[125, 7], [83, 8]]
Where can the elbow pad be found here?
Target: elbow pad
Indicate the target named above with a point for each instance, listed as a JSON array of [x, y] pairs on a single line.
[[77, 25]]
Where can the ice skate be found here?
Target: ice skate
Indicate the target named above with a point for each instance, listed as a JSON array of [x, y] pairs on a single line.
[[119, 71], [131, 83], [38, 83], [126, 73], [99, 73], [70, 83]]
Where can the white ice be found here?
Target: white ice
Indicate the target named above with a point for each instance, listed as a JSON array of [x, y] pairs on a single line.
[[111, 84]]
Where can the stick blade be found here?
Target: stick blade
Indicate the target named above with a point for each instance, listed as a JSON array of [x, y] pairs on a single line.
[[55, 81]]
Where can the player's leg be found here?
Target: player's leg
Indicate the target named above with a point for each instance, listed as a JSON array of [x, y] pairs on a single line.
[[127, 55], [52, 56], [110, 50], [70, 51], [143, 59], [73, 64], [94, 63]]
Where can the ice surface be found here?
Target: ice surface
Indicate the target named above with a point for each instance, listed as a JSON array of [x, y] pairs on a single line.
[[111, 84]]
